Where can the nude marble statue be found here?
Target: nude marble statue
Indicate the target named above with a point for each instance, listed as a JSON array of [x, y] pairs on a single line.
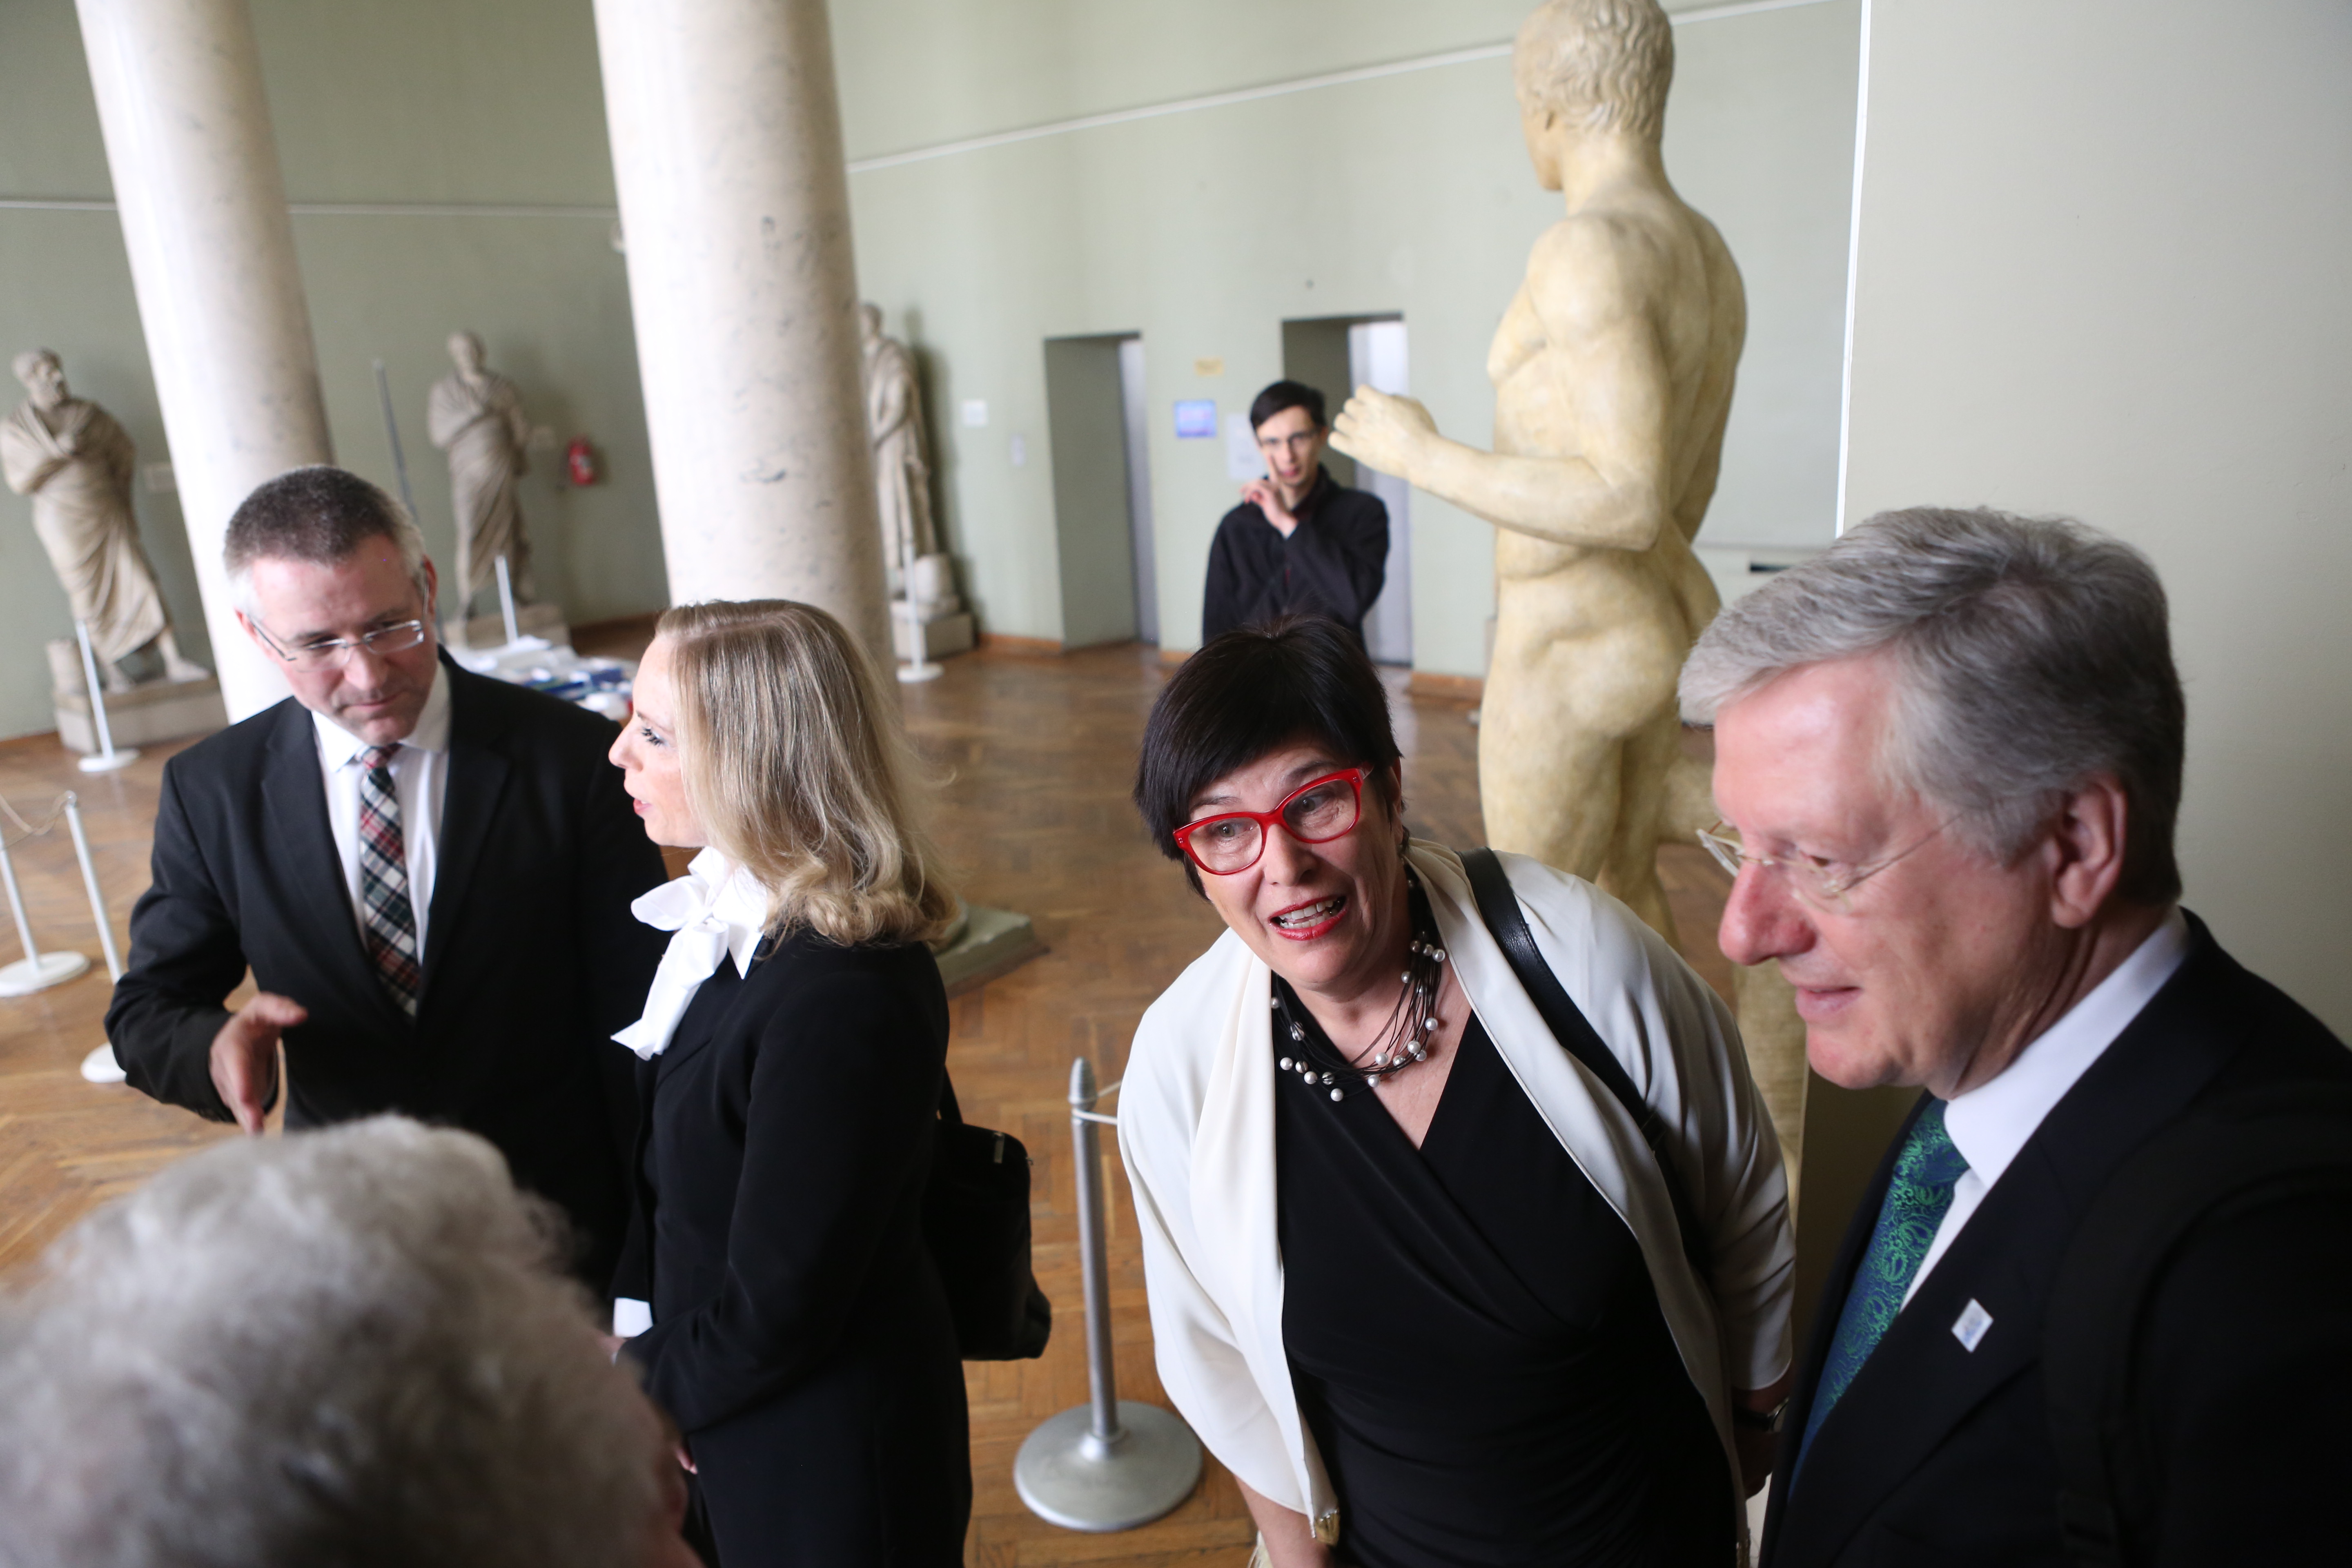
[[1612, 371], [75, 461], [476, 416], [902, 467]]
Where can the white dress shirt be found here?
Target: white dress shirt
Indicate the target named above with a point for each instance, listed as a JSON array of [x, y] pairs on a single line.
[[420, 778], [1989, 1123]]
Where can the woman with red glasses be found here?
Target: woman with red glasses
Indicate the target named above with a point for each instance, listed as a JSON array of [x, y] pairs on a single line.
[[1415, 1276]]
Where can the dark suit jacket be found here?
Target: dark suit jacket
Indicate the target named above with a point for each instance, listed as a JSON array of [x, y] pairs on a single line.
[[801, 1338], [531, 961], [1941, 1454]]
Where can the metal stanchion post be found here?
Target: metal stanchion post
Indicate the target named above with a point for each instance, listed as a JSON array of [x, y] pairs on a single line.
[[108, 759], [100, 1065], [36, 971], [1112, 1463], [507, 604]]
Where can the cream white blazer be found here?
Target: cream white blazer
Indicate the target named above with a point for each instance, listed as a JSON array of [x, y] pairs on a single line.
[[1196, 1130]]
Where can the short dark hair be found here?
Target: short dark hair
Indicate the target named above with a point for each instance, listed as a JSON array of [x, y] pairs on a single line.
[[1285, 395], [1247, 693], [321, 514]]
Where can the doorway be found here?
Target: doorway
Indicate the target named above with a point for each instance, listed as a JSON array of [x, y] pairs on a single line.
[[1336, 354], [1095, 428]]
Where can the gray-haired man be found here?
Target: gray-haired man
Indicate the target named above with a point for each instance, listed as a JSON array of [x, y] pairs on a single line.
[[1949, 757]]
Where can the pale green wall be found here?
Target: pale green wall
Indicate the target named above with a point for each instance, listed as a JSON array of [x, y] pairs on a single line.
[[1205, 230], [2104, 248], [404, 102]]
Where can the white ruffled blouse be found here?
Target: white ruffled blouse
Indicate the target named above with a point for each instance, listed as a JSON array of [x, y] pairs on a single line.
[[715, 911]]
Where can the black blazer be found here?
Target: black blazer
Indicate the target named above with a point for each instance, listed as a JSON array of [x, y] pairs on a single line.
[[1941, 1454], [531, 961], [785, 1141]]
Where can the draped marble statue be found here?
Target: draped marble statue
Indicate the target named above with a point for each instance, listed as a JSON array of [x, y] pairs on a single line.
[[476, 416], [902, 465], [75, 461], [1613, 370]]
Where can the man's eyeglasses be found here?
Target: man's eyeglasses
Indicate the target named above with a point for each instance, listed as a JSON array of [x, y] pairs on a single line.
[[326, 653], [1315, 812], [1824, 884]]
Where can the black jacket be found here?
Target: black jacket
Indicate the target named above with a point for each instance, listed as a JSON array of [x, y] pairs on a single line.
[[531, 961], [801, 1339], [1333, 562], [1937, 1455]]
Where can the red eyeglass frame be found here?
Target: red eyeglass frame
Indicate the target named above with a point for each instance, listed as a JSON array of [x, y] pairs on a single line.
[[1267, 821]]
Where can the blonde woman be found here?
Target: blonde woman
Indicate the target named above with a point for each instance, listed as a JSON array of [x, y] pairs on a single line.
[[778, 1292]]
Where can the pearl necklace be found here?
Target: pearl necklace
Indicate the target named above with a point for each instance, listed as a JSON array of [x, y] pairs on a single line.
[[1403, 1041]]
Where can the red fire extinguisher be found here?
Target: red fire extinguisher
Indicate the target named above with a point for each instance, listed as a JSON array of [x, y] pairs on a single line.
[[580, 461]]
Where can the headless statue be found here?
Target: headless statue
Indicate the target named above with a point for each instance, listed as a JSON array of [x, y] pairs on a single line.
[[1612, 371], [76, 462], [476, 416]]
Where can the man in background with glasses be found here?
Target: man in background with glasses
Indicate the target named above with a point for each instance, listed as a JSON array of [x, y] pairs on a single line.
[[1948, 756], [427, 872], [1300, 543]]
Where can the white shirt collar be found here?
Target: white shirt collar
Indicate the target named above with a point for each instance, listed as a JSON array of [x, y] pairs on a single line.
[[1989, 1123], [716, 911], [339, 745]]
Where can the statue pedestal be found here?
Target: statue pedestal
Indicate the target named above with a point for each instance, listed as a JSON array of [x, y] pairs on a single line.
[[544, 619], [924, 632], [149, 711]]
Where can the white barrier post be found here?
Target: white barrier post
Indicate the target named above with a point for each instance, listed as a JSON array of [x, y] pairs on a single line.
[[108, 759], [100, 1065], [1112, 1463], [507, 604], [36, 971]]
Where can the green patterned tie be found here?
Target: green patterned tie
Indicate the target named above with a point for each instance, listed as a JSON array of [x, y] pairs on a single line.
[[1917, 1197]]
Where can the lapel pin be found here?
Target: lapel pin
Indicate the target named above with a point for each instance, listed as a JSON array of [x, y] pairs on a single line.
[[1969, 1326]]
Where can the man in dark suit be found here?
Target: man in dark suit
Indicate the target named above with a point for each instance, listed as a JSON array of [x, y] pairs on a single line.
[[1948, 754], [428, 871]]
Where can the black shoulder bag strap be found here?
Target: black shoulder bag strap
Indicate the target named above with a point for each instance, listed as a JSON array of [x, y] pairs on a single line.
[[2222, 1160], [1498, 907]]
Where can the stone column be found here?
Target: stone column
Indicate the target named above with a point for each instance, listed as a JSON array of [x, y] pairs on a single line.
[[196, 173], [735, 212]]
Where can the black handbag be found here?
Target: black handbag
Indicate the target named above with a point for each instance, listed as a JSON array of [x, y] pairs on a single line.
[[976, 1220], [1498, 907]]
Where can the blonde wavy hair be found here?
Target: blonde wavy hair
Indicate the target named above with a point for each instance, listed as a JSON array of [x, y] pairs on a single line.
[[796, 766]]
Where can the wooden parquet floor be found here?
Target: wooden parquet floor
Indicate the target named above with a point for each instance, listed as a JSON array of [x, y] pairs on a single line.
[[1035, 755]]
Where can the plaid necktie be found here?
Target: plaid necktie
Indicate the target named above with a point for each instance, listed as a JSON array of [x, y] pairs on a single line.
[[1917, 1197], [388, 922]]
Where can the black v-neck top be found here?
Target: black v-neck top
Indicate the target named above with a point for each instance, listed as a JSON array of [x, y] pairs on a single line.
[[1476, 1344]]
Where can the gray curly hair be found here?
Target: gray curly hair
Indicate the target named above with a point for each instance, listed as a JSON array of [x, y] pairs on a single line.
[[2030, 654], [336, 1348]]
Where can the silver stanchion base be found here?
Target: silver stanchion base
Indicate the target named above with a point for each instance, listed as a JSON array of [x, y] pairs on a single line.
[[107, 762], [909, 674], [100, 1065], [27, 975], [1068, 1479]]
